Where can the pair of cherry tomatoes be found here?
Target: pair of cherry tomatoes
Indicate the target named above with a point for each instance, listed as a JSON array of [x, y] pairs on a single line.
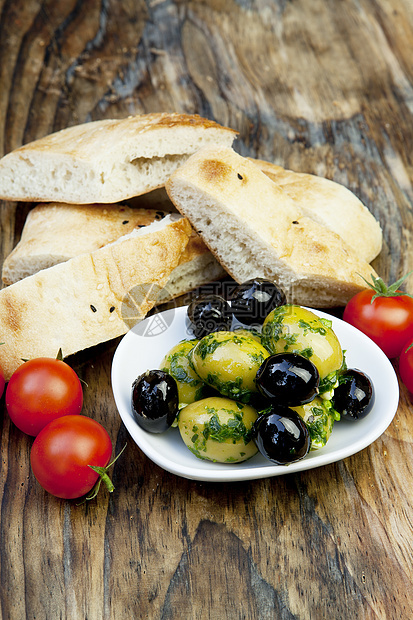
[[71, 452], [385, 314]]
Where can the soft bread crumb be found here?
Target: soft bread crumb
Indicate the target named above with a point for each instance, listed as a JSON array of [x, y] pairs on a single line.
[[255, 229], [108, 160]]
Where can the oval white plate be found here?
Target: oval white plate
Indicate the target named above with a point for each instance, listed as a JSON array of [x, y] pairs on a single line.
[[144, 347]]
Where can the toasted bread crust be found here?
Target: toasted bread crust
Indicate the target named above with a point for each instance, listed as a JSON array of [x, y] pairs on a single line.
[[89, 299], [83, 140], [331, 205], [54, 233]]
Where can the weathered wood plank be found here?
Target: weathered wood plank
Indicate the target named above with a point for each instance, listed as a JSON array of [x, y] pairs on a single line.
[[322, 87]]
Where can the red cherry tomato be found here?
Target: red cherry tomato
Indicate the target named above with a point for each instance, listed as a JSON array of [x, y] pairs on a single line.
[[406, 365], [63, 452], [386, 318], [41, 390]]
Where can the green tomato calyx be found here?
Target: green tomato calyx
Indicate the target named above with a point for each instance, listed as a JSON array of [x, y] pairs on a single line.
[[382, 290], [409, 347], [103, 476]]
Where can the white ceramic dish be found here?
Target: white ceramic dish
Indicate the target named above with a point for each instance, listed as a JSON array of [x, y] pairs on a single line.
[[144, 347]]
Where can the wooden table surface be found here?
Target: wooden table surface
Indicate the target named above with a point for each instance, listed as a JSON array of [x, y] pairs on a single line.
[[318, 86]]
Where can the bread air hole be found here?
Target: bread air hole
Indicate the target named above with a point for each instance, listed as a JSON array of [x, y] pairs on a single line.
[[152, 166]]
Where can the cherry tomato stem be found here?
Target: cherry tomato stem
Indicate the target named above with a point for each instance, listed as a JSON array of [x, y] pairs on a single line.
[[380, 288], [103, 477]]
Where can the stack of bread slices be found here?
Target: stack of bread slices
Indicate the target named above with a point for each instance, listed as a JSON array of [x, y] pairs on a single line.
[[107, 242]]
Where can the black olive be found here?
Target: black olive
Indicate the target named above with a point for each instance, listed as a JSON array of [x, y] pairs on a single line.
[[288, 378], [353, 398], [281, 435], [209, 313], [155, 400], [254, 299]]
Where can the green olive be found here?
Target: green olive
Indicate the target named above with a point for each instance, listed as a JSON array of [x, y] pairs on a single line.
[[218, 429], [319, 417], [176, 363], [293, 328], [229, 362]]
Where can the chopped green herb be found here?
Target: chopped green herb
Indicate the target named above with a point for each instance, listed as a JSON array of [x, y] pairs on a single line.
[[208, 345], [256, 358], [327, 323], [320, 421], [308, 352], [307, 327], [234, 430], [328, 383], [232, 389], [290, 339]]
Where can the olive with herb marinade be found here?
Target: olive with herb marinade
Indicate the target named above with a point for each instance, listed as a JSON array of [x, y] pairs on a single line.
[[319, 417], [291, 328], [288, 378], [229, 362], [209, 313], [281, 435], [353, 398], [155, 400], [218, 429], [176, 363], [254, 299]]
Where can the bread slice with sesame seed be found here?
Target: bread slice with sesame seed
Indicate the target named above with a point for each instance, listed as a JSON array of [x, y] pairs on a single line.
[[254, 228], [54, 233], [91, 298]]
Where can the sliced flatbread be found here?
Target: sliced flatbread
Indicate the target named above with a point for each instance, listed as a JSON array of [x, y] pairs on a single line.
[[91, 298], [54, 233], [255, 229], [331, 205], [108, 160]]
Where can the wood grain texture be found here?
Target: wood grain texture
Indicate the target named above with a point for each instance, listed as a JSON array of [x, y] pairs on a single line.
[[324, 87]]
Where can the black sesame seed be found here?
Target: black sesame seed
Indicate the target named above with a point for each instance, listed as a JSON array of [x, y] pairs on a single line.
[[240, 176], [295, 222], [93, 308], [125, 222], [111, 309]]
